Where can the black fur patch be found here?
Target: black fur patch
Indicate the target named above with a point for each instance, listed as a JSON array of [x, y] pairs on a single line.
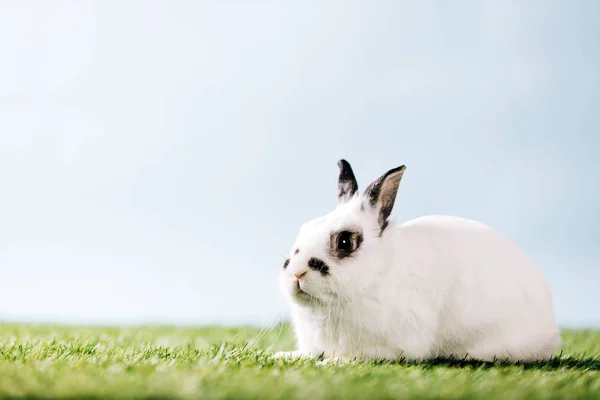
[[297, 251], [285, 263], [318, 265], [347, 186]]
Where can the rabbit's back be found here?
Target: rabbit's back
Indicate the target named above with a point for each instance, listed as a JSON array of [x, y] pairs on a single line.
[[489, 297]]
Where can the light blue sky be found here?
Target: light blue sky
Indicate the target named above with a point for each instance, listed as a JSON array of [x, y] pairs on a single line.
[[157, 158]]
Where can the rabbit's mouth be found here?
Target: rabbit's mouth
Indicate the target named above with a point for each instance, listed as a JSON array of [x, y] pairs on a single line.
[[301, 293], [303, 296]]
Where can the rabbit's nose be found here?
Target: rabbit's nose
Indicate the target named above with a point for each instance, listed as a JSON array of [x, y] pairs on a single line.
[[299, 275]]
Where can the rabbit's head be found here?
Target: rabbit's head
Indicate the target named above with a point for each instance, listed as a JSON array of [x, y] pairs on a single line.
[[337, 257]]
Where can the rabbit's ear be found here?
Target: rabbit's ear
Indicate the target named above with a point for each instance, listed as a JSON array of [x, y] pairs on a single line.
[[347, 186], [381, 194]]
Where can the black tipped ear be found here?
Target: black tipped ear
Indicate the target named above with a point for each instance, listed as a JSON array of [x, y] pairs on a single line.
[[347, 186], [381, 194]]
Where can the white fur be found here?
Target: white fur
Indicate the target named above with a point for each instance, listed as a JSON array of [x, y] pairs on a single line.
[[435, 286]]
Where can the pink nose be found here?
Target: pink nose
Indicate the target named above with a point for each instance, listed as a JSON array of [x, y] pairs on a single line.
[[299, 275]]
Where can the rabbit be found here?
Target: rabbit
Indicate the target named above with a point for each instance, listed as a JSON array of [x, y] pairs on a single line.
[[361, 287]]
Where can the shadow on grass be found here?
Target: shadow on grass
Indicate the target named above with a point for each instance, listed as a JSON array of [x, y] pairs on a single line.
[[580, 363]]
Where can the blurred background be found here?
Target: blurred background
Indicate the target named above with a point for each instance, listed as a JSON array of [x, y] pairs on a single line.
[[158, 157]]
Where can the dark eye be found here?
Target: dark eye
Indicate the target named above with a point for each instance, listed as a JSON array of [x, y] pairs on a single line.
[[346, 242]]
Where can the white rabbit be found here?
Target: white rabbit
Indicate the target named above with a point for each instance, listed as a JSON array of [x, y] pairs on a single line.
[[361, 287]]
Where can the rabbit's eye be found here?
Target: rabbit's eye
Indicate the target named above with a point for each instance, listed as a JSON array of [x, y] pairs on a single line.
[[346, 242]]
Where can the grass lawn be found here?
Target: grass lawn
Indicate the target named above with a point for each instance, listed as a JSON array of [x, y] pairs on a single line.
[[66, 362]]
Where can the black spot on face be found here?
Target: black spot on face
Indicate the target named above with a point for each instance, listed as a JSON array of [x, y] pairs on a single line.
[[286, 262], [318, 265], [297, 251]]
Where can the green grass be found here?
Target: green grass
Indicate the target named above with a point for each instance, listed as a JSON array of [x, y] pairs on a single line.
[[234, 363]]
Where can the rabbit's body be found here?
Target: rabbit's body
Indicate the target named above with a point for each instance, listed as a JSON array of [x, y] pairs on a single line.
[[452, 288], [433, 287]]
